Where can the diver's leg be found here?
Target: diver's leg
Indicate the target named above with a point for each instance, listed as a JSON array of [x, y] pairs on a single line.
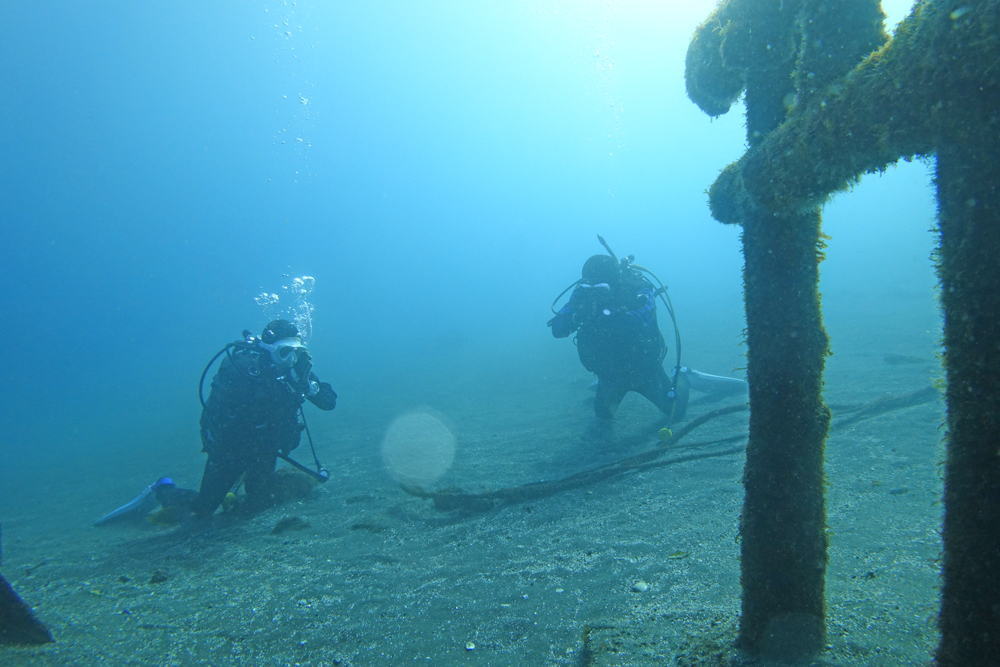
[[173, 496], [258, 480], [672, 401], [221, 471], [609, 397]]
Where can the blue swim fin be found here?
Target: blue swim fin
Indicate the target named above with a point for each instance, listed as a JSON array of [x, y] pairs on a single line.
[[142, 503]]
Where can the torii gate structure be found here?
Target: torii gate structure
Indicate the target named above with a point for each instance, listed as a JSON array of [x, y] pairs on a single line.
[[829, 98]]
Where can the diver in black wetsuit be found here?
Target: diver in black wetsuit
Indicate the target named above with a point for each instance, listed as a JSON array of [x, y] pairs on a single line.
[[613, 311], [250, 416]]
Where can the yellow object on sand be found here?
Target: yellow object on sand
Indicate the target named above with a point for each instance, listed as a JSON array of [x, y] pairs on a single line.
[[229, 501], [165, 516], [665, 434]]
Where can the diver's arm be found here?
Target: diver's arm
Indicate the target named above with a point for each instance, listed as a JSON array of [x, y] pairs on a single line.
[[563, 323], [568, 319], [305, 382], [321, 394], [643, 310]]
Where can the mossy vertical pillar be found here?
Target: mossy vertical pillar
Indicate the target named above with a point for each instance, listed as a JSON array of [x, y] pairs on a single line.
[[781, 54], [969, 268], [783, 525]]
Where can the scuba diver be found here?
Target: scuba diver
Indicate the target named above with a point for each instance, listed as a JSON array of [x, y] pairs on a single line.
[[252, 414], [251, 418], [613, 311]]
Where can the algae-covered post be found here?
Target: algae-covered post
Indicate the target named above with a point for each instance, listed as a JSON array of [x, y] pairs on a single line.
[[934, 89], [969, 221], [779, 53]]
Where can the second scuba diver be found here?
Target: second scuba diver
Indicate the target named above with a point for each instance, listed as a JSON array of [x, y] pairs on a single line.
[[250, 419], [613, 311]]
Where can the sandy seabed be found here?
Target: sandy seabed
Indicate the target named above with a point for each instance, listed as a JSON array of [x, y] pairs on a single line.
[[379, 577]]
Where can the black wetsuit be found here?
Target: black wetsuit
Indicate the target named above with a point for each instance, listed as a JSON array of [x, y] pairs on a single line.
[[619, 340], [251, 415]]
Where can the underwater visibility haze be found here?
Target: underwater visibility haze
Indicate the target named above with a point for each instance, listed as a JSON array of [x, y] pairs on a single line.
[[421, 180]]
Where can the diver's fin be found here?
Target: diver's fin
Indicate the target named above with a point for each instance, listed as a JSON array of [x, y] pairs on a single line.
[[142, 503], [18, 624], [716, 385]]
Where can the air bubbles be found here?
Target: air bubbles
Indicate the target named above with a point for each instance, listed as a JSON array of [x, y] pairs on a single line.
[[288, 41], [302, 286], [299, 311], [264, 299]]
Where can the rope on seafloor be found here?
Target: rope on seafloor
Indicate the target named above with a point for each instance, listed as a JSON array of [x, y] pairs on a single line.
[[653, 458]]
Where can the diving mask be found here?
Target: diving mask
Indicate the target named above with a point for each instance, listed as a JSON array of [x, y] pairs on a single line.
[[284, 352]]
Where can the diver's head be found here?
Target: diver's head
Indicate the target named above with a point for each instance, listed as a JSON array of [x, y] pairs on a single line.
[[281, 338], [601, 269]]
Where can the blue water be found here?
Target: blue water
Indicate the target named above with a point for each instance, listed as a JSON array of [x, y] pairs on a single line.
[[441, 169]]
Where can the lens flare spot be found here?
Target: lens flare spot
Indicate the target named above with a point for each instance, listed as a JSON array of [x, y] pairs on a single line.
[[418, 448]]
